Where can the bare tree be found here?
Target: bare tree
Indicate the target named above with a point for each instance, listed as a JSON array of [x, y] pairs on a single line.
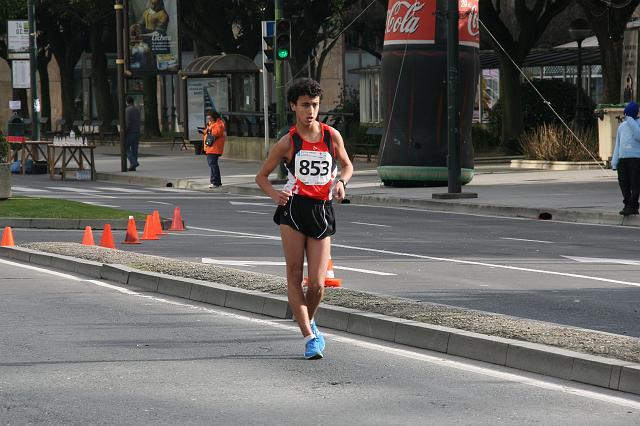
[[516, 32], [608, 20]]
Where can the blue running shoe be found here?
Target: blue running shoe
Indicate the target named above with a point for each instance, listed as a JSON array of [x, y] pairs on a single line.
[[314, 330], [312, 349]]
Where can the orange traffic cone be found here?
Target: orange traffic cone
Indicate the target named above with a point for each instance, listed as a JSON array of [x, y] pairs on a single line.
[[177, 224], [7, 237], [158, 223], [107, 238], [149, 232], [132, 233], [330, 279], [87, 239]]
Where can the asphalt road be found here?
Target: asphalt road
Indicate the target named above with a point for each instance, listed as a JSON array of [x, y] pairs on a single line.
[[575, 274], [77, 351]]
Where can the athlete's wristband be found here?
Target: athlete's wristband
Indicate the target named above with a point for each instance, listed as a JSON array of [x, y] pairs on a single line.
[[343, 183]]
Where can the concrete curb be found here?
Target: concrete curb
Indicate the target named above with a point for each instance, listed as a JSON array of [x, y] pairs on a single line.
[[555, 362], [95, 224]]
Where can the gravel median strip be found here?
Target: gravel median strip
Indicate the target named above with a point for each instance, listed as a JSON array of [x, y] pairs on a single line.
[[580, 340]]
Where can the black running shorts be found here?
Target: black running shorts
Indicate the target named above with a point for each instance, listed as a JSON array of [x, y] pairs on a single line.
[[314, 218]]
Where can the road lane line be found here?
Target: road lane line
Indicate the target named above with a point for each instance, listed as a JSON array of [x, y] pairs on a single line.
[[212, 261], [523, 239], [160, 202], [444, 259], [371, 224], [416, 354], [250, 212]]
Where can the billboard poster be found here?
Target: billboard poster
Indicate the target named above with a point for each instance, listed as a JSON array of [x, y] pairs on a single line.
[[629, 87], [204, 94], [17, 39], [151, 36]]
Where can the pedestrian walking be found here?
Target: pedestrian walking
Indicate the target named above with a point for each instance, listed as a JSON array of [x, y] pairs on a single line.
[[626, 159], [132, 133], [213, 145], [305, 215]]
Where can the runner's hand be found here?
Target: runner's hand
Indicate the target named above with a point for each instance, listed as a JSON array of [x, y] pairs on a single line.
[[281, 197], [338, 191]]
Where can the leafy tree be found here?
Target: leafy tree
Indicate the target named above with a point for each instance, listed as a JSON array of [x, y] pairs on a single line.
[[608, 20], [517, 28]]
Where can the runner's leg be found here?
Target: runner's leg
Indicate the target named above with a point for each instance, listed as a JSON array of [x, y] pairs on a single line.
[[293, 244], [317, 260]]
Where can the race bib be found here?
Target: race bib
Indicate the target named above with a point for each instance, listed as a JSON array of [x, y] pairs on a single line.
[[313, 167]]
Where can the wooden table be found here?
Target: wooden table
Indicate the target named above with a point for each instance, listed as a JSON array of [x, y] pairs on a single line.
[[31, 150], [71, 158]]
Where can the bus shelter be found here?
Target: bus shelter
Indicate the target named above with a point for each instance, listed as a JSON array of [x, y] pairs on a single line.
[[228, 84]]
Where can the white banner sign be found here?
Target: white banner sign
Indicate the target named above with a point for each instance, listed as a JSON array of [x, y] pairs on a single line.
[[21, 74], [18, 39]]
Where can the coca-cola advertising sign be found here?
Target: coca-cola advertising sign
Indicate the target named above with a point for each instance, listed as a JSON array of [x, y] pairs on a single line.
[[469, 30], [414, 22], [410, 22]]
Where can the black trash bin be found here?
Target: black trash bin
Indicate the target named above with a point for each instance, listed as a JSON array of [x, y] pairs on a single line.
[[15, 128]]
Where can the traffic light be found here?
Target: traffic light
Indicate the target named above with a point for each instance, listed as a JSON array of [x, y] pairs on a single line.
[[283, 39], [267, 49]]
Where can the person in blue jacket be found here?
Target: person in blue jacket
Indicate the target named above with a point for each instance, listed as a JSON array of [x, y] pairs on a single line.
[[626, 159]]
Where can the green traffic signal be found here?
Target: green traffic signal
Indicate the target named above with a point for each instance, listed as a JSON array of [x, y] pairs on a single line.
[[283, 53]]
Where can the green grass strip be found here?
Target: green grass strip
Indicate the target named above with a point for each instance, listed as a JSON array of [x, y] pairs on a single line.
[[52, 208]]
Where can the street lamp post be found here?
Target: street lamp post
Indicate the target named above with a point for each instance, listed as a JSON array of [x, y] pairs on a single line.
[[33, 59], [579, 30]]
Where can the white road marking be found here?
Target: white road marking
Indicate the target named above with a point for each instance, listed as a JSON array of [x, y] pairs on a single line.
[[523, 239], [444, 259], [247, 211], [603, 260], [100, 205], [281, 263], [125, 190], [78, 190], [445, 361], [24, 189], [371, 224], [160, 202], [413, 209], [171, 189], [243, 203]]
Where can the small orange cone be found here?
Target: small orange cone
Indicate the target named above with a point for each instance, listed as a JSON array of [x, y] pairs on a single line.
[[149, 232], [132, 233], [107, 238], [177, 224], [158, 223], [7, 237], [87, 239], [330, 279]]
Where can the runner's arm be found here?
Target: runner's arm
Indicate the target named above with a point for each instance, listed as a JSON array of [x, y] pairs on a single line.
[[278, 153], [346, 168]]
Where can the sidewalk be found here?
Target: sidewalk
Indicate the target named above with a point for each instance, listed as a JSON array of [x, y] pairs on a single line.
[[586, 196]]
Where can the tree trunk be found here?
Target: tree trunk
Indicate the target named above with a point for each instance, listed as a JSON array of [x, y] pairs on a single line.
[[101, 78], [512, 117], [151, 123], [45, 97], [67, 86]]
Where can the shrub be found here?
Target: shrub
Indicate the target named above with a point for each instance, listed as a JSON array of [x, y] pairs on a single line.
[[561, 95], [4, 149], [483, 139], [553, 142]]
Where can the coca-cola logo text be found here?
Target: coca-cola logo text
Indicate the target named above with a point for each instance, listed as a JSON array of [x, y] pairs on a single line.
[[473, 22], [407, 22]]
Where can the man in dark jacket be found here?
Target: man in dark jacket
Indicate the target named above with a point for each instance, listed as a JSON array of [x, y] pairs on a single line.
[[132, 133]]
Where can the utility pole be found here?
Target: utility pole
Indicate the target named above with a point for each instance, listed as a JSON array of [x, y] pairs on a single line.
[[119, 8], [33, 59], [453, 104], [279, 69]]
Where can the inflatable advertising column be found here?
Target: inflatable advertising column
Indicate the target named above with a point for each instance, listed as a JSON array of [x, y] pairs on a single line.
[[413, 150]]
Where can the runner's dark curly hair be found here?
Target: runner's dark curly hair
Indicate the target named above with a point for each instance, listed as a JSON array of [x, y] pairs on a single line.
[[301, 87]]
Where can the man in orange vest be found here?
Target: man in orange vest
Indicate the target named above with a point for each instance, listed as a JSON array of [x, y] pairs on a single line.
[[213, 144]]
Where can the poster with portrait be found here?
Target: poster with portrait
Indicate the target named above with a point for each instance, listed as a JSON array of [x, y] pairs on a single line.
[[628, 87], [151, 37]]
